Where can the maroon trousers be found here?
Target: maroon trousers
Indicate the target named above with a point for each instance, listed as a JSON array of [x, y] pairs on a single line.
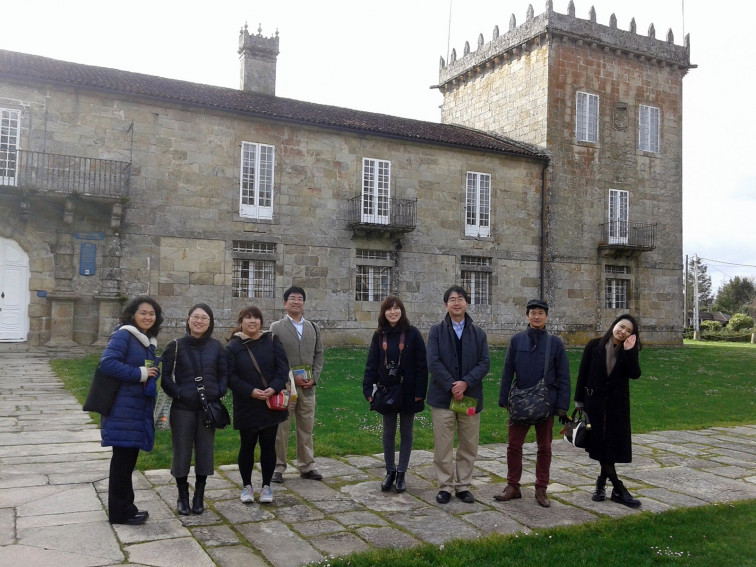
[[517, 433]]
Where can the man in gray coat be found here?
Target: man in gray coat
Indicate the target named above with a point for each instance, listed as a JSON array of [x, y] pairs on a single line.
[[304, 349], [458, 361]]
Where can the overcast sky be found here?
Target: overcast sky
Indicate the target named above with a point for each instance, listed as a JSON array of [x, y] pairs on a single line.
[[384, 57]]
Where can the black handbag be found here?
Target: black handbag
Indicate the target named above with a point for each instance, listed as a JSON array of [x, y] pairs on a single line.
[[530, 406], [216, 414], [578, 429], [387, 398], [102, 393]]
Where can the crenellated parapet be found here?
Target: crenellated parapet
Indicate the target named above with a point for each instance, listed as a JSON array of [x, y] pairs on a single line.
[[258, 45], [553, 26], [258, 56]]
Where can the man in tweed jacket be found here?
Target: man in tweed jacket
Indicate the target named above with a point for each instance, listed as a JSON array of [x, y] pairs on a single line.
[[303, 345]]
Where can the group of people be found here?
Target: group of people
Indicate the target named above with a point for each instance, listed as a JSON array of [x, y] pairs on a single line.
[[197, 370], [457, 358], [256, 365]]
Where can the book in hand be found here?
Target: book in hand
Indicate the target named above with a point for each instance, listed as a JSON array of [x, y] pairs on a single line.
[[304, 372], [466, 405]]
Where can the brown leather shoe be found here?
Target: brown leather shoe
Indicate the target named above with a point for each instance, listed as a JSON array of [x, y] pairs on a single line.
[[510, 493], [541, 497]]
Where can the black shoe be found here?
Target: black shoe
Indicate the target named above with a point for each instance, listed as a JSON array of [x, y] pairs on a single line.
[[465, 496], [312, 475], [443, 497], [388, 481], [182, 504], [401, 485], [599, 495], [198, 502], [277, 477], [136, 520], [622, 496]]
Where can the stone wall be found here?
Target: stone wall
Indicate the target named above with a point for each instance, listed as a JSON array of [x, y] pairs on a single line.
[[523, 84], [182, 216]]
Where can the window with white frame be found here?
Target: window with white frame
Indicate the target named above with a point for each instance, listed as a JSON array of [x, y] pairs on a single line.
[[9, 133], [616, 293], [619, 216], [373, 276], [478, 204], [648, 128], [587, 113], [476, 279], [376, 190], [617, 287], [256, 180], [254, 269]]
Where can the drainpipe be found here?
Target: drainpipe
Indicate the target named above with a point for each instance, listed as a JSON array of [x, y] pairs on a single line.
[[542, 259]]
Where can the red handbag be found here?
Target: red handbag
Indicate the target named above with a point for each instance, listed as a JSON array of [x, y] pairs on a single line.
[[277, 402]]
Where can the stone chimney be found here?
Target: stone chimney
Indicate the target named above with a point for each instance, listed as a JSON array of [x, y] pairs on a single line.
[[257, 55]]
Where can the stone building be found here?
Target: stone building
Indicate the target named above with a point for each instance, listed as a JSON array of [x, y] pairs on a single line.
[[556, 172]]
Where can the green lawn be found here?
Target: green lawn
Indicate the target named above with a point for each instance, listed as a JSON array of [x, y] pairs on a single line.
[[700, 385]]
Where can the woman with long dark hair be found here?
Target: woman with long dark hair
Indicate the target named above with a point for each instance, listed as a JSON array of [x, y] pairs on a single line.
[[249, 349], [199, 356], [603, 391], [130, 358], [397, 354]]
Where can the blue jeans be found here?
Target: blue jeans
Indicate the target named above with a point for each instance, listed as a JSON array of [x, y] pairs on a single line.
[[406, 435]]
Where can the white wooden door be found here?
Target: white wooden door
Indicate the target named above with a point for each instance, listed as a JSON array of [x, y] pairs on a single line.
[[14, 292]]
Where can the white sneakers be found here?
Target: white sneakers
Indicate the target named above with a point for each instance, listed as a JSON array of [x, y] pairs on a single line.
[[248, 494], [266, 495]]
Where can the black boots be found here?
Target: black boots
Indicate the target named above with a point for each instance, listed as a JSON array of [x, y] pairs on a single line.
[[599, 495], [388, 481], [622, 496], [182, 505], [198, 502], [401, 485]]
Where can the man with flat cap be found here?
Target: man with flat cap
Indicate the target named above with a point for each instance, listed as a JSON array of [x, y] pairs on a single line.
[[524, 366]]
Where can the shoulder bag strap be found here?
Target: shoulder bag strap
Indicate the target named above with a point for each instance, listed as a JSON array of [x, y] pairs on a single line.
[[384, 338], [257, 367], [548, 352]]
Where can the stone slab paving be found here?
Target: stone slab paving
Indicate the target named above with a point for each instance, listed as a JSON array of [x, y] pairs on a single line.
[[53, 493]]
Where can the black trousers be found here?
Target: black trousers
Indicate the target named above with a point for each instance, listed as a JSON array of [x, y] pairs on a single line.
[[248, 441], [120, 487]]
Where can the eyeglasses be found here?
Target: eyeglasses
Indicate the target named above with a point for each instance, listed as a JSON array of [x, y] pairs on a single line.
[[202, 318]]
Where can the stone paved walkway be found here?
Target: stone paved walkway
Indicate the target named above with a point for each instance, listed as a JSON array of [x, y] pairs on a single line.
[[53, 490]]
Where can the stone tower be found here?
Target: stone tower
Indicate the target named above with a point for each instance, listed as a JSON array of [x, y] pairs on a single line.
[[607, 105], [257, 55]]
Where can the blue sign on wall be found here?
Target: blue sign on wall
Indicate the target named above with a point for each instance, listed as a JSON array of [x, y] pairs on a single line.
[[89, 236], [87, 259]]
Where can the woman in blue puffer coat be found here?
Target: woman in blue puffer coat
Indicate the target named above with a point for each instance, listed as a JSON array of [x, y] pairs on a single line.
[[130, 358]]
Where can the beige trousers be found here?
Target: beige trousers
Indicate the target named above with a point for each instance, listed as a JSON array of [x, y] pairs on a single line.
[[445, 421], [303, 412]]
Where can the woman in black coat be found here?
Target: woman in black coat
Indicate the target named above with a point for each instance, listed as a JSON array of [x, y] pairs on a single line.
[[198, 355], [252, 417], [603, 390], [397, 352]]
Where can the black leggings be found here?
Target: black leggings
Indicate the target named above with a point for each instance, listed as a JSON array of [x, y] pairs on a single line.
[[608, 471], [248, 441], [120, 488]]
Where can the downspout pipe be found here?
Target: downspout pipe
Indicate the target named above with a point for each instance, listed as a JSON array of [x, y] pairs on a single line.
[[542, 253]]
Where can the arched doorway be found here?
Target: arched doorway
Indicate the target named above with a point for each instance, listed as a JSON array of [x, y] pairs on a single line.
[[14, 292]]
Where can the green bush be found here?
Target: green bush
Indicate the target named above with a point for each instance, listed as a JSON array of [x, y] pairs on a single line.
[[739, 322], [711, 326]]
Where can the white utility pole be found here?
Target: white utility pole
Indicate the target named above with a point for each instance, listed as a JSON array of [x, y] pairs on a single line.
[[696, 326]]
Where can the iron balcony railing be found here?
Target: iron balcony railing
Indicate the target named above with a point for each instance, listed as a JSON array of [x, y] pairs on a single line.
[[64, 174], [387, 214], [620, 234]]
